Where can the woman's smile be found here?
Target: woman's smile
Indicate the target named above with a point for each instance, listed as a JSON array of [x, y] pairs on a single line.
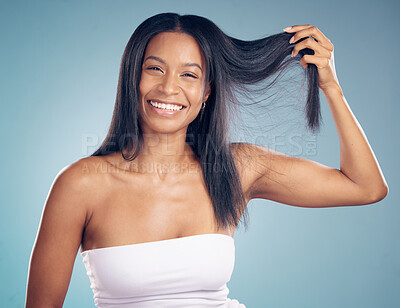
[[165, 108]]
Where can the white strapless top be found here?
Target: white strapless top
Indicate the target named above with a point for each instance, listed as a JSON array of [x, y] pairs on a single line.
[[189, 271]]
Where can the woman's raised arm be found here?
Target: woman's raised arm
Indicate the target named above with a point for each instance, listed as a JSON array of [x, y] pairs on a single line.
[[301, 182], [58, 239]]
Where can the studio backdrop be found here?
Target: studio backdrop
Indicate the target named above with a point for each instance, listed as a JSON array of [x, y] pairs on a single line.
[[59, 68]]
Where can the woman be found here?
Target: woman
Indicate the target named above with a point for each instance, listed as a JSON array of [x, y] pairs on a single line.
[[156, 206]]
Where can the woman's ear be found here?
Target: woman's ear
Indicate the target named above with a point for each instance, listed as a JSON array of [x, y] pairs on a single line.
[[207, 92]]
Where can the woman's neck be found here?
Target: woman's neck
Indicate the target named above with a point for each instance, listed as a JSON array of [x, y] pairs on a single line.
[[162, 155]]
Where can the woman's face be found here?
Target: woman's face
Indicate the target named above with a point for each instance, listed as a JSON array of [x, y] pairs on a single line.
[[172, 84]]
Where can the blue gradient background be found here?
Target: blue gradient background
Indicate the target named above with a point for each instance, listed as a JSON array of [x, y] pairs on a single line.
[[59, 68]]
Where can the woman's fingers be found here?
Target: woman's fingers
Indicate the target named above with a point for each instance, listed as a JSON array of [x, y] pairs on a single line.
[[319, 50], [320, 62], [296, 28], [307, 31]]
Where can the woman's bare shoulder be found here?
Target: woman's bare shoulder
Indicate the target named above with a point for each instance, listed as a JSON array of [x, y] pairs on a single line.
[[255, 161], [84, 175], [83, 169]]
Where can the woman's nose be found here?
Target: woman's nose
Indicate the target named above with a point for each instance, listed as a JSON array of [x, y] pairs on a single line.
[[170, 85]]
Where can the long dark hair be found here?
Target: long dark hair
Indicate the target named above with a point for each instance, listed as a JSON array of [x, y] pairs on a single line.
[[230, 64]]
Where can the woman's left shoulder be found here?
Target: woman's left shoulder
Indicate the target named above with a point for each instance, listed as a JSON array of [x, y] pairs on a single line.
[[245, 153], [250, 160]]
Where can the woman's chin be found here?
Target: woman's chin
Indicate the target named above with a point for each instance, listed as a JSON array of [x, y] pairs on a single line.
[[166, 128]]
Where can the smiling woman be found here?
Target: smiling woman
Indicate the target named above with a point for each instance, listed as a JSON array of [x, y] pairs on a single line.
[[156, 226]]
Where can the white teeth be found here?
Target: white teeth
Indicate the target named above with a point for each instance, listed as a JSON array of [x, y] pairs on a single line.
[[170, 107]]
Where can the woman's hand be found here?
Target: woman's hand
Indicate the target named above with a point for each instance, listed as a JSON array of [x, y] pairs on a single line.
[[323, 53]]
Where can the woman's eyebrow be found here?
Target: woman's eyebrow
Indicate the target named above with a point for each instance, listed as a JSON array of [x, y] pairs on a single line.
[[163, 61]]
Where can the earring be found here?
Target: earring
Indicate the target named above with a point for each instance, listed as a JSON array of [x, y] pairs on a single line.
[[203, 106]]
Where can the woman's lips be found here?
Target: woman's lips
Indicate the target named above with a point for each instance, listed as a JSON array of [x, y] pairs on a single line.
[[164, 112]]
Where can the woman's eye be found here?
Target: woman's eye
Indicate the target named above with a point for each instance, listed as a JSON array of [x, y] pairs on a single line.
[[190, 75], [154, 68]]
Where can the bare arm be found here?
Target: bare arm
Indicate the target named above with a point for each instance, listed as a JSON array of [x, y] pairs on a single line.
[[301, 182], [268, 174], [58, 240]]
